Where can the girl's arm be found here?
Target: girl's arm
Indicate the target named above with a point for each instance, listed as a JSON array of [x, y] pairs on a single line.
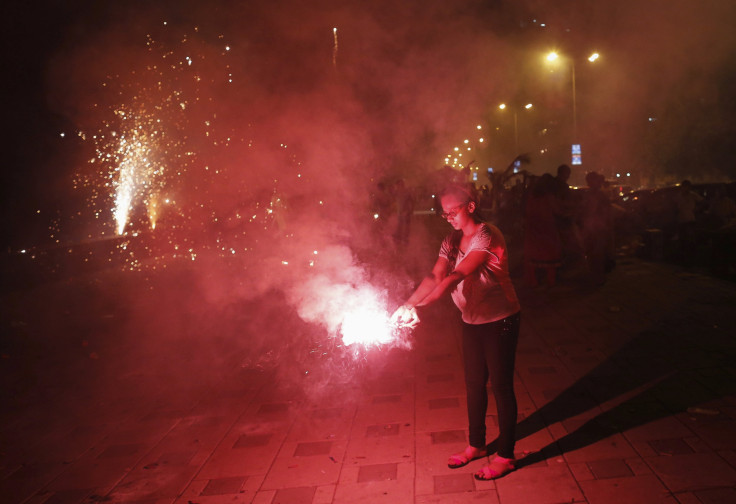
[[406, 315], [472, 262], [428, 284], [436, 284]]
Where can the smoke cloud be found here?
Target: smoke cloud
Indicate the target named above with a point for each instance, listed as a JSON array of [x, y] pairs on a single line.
[[265, 138]]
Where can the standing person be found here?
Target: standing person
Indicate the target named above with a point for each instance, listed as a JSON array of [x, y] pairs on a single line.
[[542, 245], [572, 248], [596, 222], [404, 212], [687, 202], [473, 267]]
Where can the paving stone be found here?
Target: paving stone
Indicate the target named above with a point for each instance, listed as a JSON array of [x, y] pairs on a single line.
[[399, 490], [176, 458], [445, 402], [277, 410], [223, 486], [687, 498], [382, 430], [324, 494], [453, 483], [69, 497], [638, 466], [383, 399], [580, 471], [313, 448], [437, 378], [252, 440], [326, 413], [716, 495], [125, 450], [439, 357], [694, 471], [639, 489], [603, 469], [670, 446], [300, 495], [542, 370], [452, 436], [552, 485], [377, 472]]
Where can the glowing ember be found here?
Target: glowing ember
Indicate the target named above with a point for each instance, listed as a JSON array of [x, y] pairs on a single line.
[[368, 325]]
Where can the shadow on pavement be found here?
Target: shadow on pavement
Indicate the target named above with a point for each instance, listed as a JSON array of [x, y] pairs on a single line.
[[682, 361]]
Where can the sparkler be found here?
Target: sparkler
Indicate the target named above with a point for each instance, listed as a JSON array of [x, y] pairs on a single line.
[[334, 48]]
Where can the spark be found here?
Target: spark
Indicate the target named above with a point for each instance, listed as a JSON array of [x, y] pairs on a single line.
[[334, 48]]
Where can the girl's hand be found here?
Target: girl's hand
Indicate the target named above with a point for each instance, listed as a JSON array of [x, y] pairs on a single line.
[[405, 316]]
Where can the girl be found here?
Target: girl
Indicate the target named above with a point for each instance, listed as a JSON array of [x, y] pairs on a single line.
[[473, 266]]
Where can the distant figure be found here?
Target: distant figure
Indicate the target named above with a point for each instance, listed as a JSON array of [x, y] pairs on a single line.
[[722, 208], [381, 203], [687, 202], [404, 211], [572, 248], [542, 248], [596, 222]]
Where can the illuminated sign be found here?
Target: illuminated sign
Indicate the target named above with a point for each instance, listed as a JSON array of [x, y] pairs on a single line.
[[577, 154]]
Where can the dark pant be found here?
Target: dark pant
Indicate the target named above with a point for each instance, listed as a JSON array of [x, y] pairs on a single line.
[[489, 350]]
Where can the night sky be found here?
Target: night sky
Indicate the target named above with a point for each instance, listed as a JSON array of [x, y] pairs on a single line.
[[409, 79]]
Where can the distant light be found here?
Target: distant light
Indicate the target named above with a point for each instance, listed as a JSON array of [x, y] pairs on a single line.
[[528, 106], [62, 135], [593, 57], [457, 149], [227, 48], [618, 175], [466, 141], [543, 25], [652, 119], [552, 56], [480, 140], [628, 174], [479, 127], [502, 106]]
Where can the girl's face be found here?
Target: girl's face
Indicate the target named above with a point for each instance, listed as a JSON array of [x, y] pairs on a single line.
[[455, 210]]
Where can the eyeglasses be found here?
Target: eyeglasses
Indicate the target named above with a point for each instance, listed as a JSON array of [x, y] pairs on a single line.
[[453, 213]]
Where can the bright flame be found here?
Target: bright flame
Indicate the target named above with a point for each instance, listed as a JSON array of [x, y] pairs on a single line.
[[367, 325]]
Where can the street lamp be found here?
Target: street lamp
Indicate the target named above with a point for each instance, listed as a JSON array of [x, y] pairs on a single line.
[[503, 106], [552, 57]]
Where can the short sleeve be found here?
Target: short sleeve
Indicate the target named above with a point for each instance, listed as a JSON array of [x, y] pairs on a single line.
[[445, 248], [483, 242]]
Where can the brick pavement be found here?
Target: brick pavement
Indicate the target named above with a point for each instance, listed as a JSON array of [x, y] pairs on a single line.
[[626, 394]]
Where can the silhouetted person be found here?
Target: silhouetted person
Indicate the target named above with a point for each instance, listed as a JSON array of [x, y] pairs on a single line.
[[570, 241], [595, 218], [686, 202], [404, 211], [542, 249]]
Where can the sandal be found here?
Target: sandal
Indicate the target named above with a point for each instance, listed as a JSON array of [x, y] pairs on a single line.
[[466, 457], [498, 467]]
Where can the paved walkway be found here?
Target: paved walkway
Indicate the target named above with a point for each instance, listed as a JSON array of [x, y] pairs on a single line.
[[627, 393]]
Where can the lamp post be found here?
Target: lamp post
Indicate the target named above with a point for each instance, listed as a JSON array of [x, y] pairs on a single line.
[[553, 57], [503, 106]]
